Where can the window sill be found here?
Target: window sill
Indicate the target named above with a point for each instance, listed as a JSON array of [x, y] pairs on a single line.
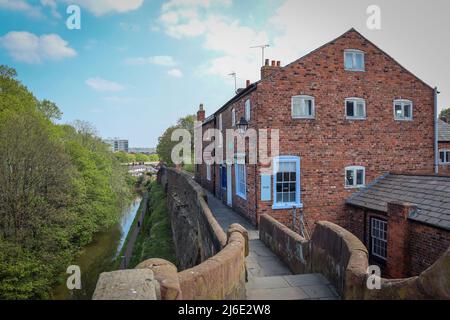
[[355, 70], [242, 196], [356, 118], [355, 187], [398, 119], [303, 117], [287, 206]]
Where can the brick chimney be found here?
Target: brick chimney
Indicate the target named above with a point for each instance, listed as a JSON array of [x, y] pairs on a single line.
[[268, 69], [398, 238], [247, 83], [201, 113]]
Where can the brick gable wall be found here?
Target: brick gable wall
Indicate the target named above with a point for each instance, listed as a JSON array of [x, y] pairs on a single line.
[[330, 142]]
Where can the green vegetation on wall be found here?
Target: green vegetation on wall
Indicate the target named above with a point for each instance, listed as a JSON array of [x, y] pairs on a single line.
[[155, 237], [59, 184]]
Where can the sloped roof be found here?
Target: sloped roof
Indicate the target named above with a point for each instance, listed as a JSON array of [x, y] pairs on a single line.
[[443, 131], [254, 85], [431, 195]]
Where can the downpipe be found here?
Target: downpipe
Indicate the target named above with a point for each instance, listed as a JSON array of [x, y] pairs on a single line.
[[436, 119]]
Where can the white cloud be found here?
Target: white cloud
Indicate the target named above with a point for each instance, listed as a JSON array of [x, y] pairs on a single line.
[[166, 61], [21, 6], [192, 28], [285, 45], [221, 34], [186, 18], [30, 48], [101, 7], [175, 73], [53, 7], [100, 84]]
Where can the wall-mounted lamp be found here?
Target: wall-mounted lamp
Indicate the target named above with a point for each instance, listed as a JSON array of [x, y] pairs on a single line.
[[242, 126]]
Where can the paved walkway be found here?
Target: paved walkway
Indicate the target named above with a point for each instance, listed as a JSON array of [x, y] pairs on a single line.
[[268, 277]]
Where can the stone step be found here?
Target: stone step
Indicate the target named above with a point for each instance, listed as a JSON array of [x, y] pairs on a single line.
[[290, 287]]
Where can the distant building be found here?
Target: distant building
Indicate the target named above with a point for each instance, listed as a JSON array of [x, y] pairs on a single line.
[[143, 150], [118, 144], [444, 146]]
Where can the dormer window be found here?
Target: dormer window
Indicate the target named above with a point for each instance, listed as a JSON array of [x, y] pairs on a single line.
[[354, 60]]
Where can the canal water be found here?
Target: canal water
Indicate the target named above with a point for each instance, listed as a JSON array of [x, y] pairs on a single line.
[[98, 256]]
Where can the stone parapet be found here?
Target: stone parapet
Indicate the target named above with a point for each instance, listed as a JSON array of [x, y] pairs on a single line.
[[343, 259]]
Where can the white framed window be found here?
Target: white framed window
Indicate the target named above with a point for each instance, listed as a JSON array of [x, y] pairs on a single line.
[[444, 157], [355, 108], [286, 182], [240, 176], [233, 117], [355, 177], [303, 107], [378, 234], [247, 109], [403, 109], [354, 60], [208, 172], [220, 122]]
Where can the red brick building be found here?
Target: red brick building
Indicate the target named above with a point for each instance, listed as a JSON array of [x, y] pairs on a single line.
[[404, 221], [347, 113], [444, 146]]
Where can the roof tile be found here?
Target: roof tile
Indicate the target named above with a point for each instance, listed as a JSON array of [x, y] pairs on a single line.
[[431, 195]]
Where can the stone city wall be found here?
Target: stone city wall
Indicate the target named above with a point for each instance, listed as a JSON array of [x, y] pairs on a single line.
[[211, 263], [343, 259]]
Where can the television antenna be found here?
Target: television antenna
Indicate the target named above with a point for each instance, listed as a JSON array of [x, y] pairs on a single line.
[[233, 74], [262, 47]]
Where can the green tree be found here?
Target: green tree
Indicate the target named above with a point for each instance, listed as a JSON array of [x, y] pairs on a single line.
[[59, 184], [131, 158], [7, 72], [140, 157], [121, 156], [165, 143], [49, 109], [445, 113]]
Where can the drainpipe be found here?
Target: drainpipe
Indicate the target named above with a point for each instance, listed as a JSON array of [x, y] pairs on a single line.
[[436, 116]]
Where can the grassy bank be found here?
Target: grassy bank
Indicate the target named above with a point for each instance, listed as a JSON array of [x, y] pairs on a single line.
[[155, 237]]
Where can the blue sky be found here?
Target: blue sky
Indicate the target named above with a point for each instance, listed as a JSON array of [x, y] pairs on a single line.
[[138, 65]]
